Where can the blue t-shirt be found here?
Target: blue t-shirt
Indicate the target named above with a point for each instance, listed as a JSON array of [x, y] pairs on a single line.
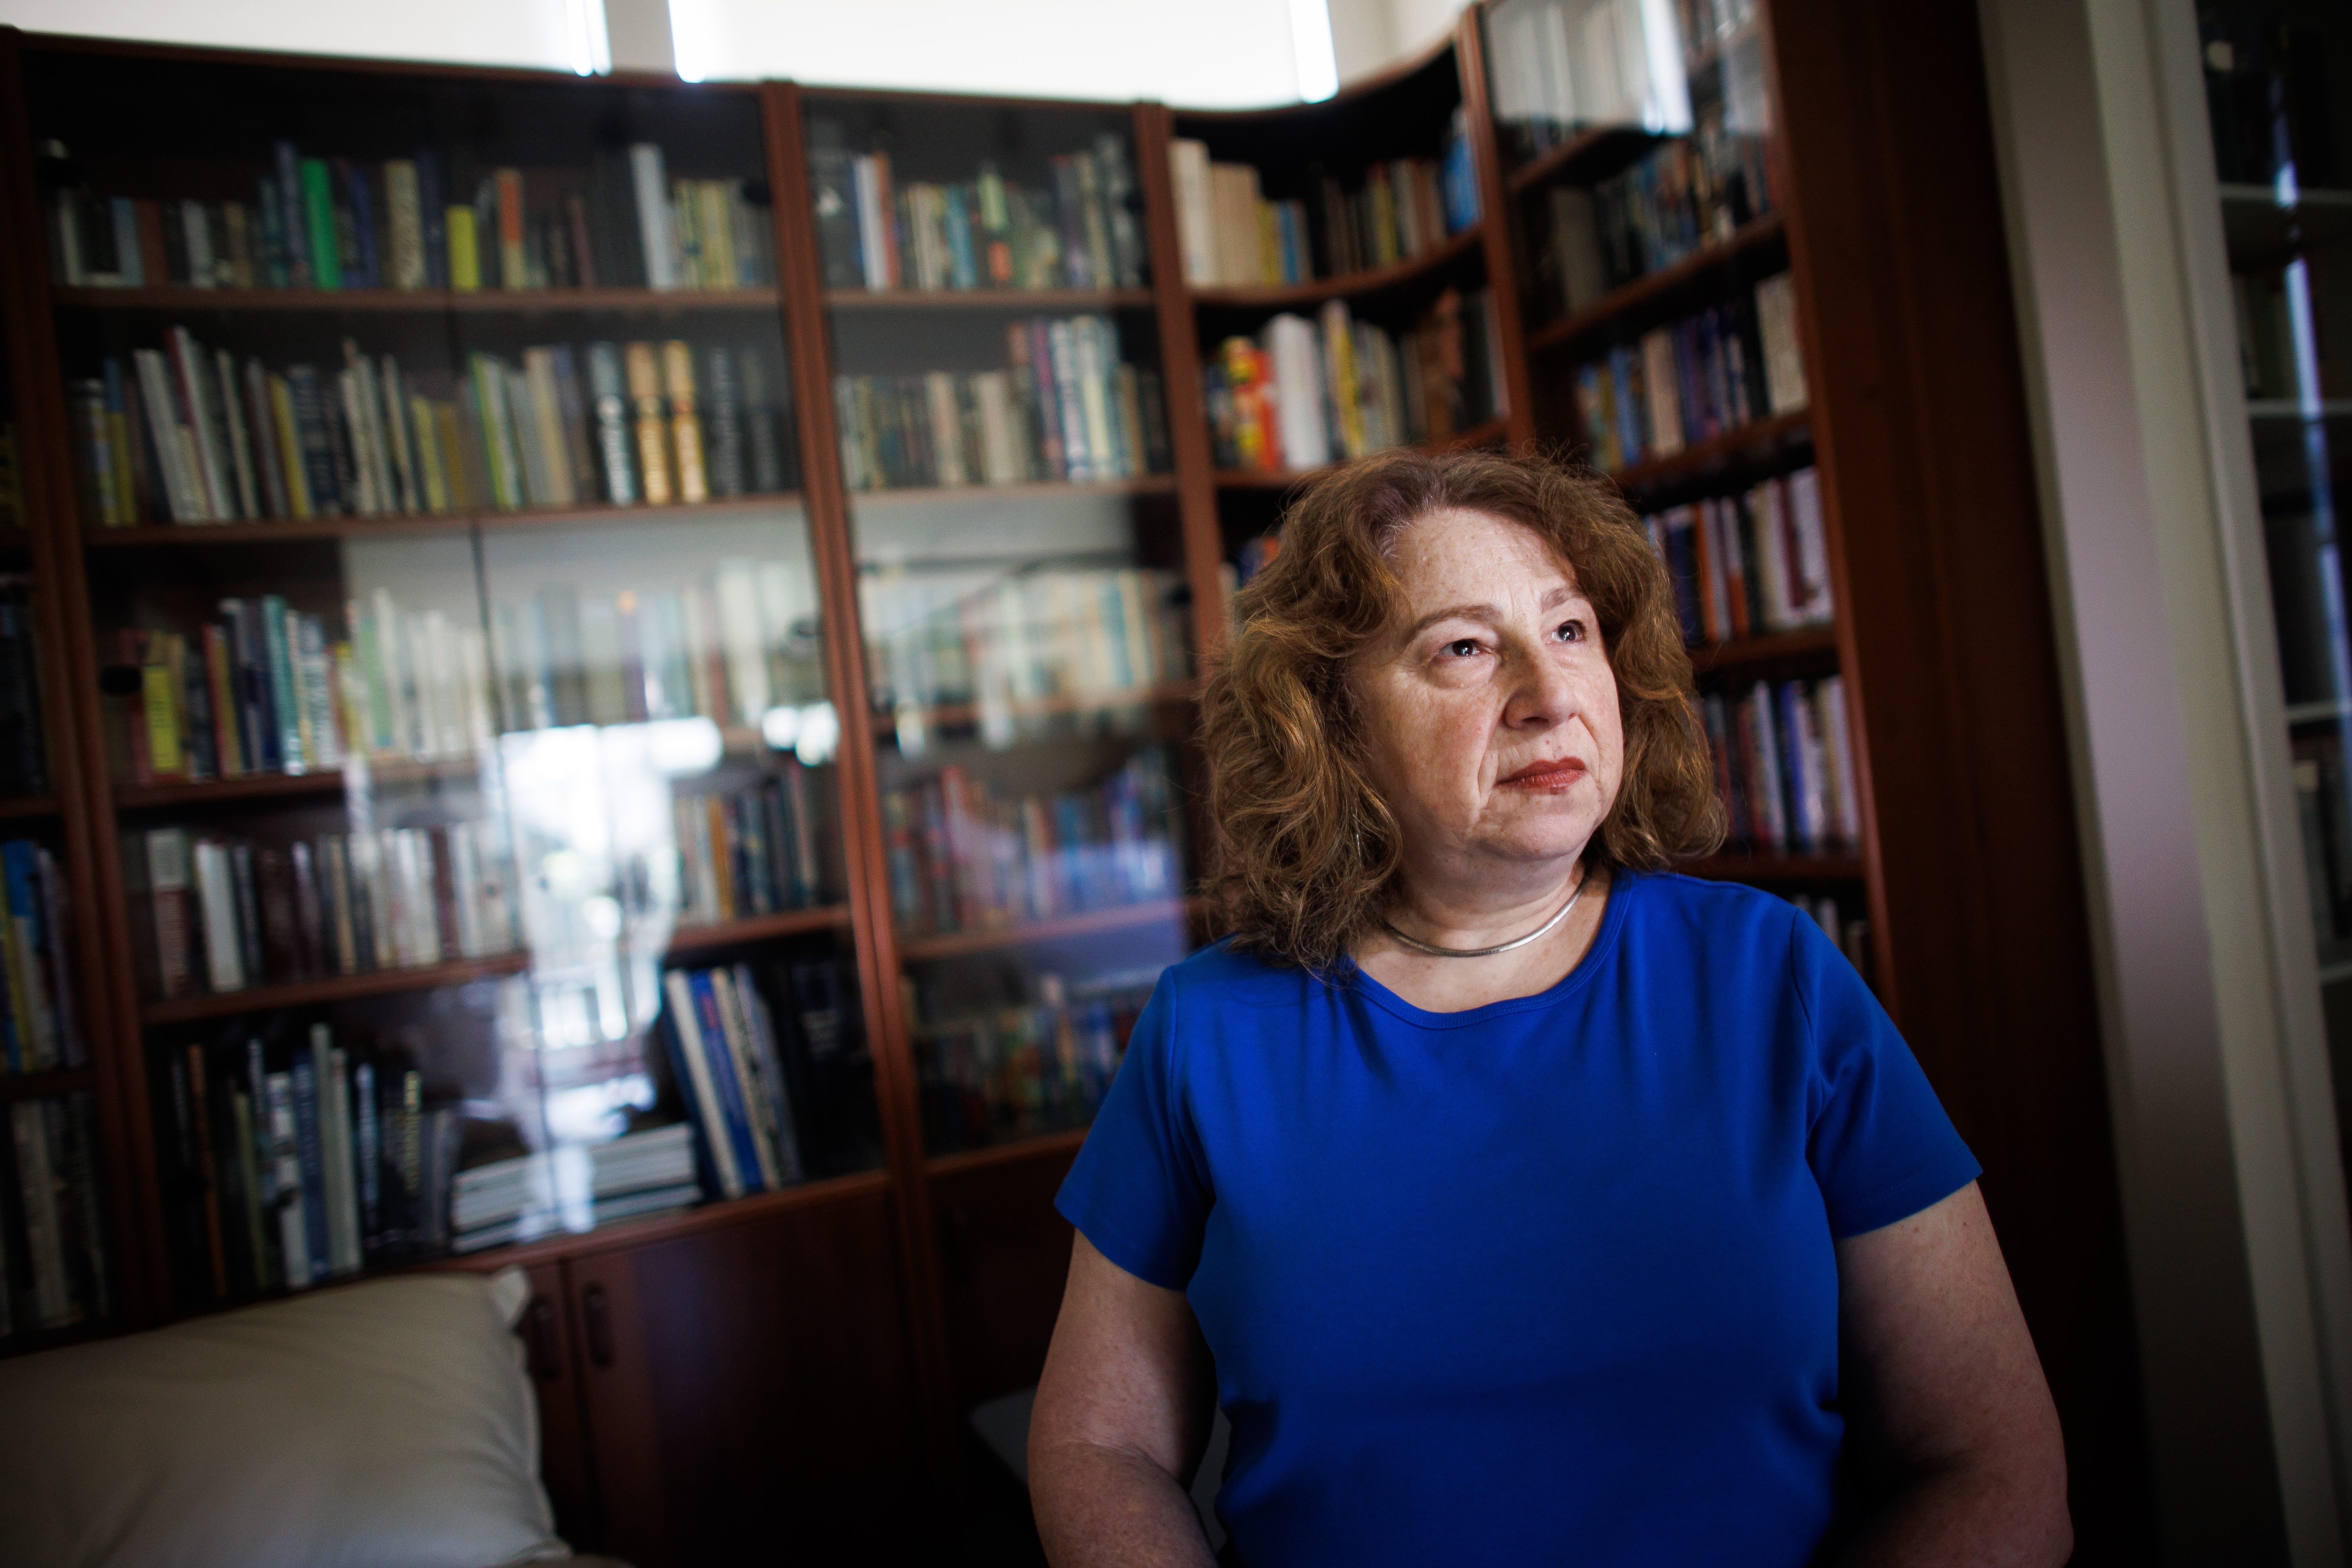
[[1548, 1280]]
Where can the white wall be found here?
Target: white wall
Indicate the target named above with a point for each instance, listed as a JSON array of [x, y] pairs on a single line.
[[476, 32], [1370, 36], [1203, 52], [1208, 53]]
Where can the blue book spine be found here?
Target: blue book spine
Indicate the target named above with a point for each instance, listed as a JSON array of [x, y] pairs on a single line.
[[271, 206], [435, 217], [293, 224], [362, 200], [280, 656], [959, 225], [720, 1060], [705, 1170], [314, 1161]]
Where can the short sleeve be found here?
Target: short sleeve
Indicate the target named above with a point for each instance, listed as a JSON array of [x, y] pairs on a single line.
[[1880, 1146], [1139, 1190]]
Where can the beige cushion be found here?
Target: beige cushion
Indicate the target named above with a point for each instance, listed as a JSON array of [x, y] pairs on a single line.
[[388, 1425]]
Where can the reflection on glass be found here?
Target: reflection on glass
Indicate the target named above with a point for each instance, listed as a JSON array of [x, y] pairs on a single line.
[[1562, 66], [994, 1074]]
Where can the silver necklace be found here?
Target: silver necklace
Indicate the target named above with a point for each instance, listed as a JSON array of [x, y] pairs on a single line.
[[1436, 952]]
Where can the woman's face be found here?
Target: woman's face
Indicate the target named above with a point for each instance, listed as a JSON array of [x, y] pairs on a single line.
[[1490, 710]]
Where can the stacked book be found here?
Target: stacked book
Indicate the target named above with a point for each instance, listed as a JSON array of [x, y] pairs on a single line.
[[730, 1066], [39, 1028], [1232, 235], [725, 646], [752, 852], [1085, 232], [1784, 765], [287, 1165], [339, 222], [215, 915], [1701, 377], [53, 1261], [1066, 407], [1018, 1072], [963, 857], [1748, 565], [1303, 393], [1676, 199], [1087, 637], [574, 1188], [185, 434], [24, 747]]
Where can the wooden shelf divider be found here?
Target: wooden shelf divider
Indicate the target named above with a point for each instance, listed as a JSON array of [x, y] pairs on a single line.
[[335, 988], [1738, 866], [1017, 302], [1771, 647], [1088, 922], [42, 1085], [1044, 1146], [1347, 286], [1717, 451], [273, 529], [1753, 234]]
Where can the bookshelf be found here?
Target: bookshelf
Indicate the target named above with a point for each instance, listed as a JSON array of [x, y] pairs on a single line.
[[890, 736]]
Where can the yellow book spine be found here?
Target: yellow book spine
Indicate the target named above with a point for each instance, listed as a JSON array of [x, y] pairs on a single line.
[[432, 470], [289, 447], [684, 423], [453, 472], [465, 257], [653, 436], [156, 679]]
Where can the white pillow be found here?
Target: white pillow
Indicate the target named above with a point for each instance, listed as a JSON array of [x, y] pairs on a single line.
[[388, 1425]]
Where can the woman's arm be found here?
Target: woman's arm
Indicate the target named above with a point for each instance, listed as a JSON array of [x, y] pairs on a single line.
[[1946, 1399], [1122, 1414]]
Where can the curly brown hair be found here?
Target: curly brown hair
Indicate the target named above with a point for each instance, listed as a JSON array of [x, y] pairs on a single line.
[[1308, 853]]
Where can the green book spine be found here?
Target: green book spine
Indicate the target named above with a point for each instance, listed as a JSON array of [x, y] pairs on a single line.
[[282, 683], [319, 215]]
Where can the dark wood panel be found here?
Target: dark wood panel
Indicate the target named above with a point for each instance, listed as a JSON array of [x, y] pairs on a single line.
[[552, 1354], [1004, 1254], [750, 1386], [1953, 675]]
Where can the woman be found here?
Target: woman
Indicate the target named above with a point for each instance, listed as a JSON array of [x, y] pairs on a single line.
[[1520, 1202]]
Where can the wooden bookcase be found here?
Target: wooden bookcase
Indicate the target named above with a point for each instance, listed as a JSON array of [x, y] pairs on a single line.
[[833, 1332]]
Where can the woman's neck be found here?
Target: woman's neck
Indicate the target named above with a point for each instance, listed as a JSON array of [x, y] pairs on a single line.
[[1463, 919]]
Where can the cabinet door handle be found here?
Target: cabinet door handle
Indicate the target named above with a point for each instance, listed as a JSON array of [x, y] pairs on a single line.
[[597, 1308], [539, 1340]]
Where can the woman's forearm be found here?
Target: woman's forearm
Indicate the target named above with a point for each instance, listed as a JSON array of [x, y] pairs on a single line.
[[1964, 1516], [1102, 1507]]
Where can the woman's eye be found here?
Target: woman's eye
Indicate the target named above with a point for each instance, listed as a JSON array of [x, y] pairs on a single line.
[[1571, 631], [1462, 647]]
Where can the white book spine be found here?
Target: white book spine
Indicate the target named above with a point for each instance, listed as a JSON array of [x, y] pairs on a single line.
[[335, 1149], [37, 1181], [655, 231], [216, 898]]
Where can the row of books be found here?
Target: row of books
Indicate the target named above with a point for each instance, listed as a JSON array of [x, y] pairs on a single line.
[[1066, 407], [749, 852], [24, 743], [216, 915], [1784, 765], [340, 222], [989, 232], [1679, 197], [729, 1065], [1747, 564], [1015, 1072], [288, 1161], [1707, 375], [184, 434], [1087, 636], [54, 1269], [1232, 235], [41, 1028], [1303, 393], [963, 857], [726, 646], [572, 1187]]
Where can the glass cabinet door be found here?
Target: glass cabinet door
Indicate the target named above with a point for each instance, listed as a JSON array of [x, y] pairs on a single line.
[[2283, 148], [1003, 437], [471, 743]]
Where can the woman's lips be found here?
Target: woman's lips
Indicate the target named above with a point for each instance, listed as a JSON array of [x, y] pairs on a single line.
[[1556, 774]]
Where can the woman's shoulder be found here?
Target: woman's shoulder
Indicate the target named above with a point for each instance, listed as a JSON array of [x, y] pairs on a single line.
[[1222, 975], [1716, 910]]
